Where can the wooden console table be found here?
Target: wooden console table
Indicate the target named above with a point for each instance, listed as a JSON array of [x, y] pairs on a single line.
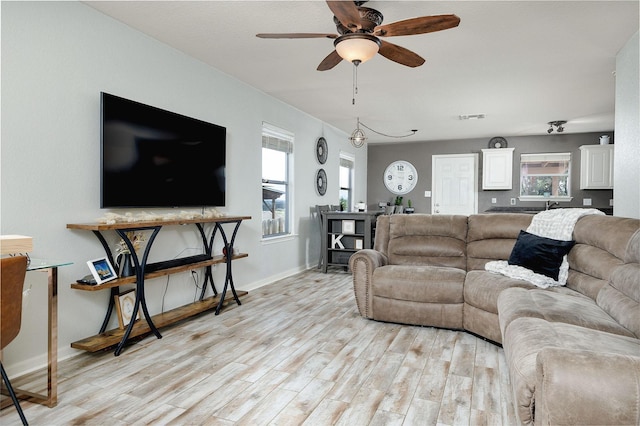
[[119, 337]]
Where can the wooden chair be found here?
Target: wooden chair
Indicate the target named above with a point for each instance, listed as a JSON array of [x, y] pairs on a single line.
[[12, 274]]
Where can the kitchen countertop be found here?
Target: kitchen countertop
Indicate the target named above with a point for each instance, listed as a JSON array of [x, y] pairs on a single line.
[[534, 210]]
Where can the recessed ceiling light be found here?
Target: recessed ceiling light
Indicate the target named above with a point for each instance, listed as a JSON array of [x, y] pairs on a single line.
[[471, 116]]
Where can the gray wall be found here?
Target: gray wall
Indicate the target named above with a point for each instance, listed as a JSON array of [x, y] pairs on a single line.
[[420, 154]]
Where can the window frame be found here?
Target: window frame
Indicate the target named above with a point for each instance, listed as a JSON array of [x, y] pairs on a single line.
[[541, 157], [281, 140], [348, 161]]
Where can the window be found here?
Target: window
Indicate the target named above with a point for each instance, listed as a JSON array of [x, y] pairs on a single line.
[[277, 151], [545, 176], [347, 163]]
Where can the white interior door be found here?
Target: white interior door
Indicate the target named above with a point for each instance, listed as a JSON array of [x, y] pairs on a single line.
[[455, 187]]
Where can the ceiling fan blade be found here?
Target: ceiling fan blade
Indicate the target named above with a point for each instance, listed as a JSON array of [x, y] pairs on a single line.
[[347, 13], [400, 54], [296, 35], [330, 61], [422, 25]]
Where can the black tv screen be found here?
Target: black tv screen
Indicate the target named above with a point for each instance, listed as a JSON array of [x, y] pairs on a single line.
[[156, 158]]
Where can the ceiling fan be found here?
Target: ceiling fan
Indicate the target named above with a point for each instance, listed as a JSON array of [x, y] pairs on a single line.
[[360, 29]]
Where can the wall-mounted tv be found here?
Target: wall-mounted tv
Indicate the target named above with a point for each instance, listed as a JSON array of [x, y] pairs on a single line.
[[156, 158]]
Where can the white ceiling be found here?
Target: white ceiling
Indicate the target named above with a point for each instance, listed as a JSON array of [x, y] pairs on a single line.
[[522, 63]]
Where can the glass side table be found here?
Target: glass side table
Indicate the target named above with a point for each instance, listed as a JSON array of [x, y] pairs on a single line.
[[50, 267]]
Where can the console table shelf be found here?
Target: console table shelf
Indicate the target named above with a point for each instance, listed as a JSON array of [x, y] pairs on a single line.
[[149, 323], [113, 337], [162, 272]]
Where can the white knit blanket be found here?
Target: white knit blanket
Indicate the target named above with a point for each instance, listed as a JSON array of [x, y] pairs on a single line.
[[557, 224]]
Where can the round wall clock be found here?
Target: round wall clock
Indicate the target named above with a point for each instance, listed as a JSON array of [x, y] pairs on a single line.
[[321, 150], [498, 142], [400, 177], [321, 182]]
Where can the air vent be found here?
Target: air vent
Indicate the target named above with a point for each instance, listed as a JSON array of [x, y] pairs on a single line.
[[471, 116]]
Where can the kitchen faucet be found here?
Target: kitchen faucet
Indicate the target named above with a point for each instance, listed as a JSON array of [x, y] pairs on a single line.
[[549, 204]]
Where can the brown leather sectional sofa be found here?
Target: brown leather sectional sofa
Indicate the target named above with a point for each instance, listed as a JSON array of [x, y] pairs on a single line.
[[573, 352]]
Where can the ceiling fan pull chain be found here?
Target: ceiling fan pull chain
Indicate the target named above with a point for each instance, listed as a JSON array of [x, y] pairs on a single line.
[[355, 84], [355, 81]]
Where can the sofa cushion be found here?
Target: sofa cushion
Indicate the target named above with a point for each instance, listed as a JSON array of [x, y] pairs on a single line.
[[573, 309], [492, 237], [420, 239], [602, 244], [620, 297], [539, 254], [428, 284], [481, 289], [525, 337]]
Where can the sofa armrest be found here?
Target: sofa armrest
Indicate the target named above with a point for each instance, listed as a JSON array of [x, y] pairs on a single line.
[[362, 264], [583, 387]]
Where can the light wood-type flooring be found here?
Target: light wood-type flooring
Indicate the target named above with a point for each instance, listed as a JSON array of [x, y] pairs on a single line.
[[296, 352]]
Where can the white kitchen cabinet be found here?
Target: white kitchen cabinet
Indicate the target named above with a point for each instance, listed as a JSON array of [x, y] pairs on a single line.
[[596, 167], [497, 168]]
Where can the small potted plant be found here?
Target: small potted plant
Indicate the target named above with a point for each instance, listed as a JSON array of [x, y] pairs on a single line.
[[399, 208], [409, 208]]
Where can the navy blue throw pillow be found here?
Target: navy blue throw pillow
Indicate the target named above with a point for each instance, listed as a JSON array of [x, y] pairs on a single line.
[[539, 254]]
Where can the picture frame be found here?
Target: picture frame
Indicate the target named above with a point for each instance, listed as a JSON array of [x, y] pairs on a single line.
[[125, 303], [348, 226], [102, 270]]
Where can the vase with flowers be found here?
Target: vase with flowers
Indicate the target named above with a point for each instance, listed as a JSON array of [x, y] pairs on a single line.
[[123, 253]]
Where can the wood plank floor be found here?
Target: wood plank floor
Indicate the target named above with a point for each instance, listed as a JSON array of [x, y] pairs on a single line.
[[296, 352]]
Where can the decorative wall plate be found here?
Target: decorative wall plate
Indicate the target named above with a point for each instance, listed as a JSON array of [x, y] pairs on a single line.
[[321, 182], [498, 142], [321, 150]]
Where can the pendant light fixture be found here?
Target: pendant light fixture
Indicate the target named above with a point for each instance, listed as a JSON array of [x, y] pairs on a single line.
[[358, 136]]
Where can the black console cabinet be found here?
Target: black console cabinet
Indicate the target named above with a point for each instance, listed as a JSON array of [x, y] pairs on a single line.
[[345, 233]]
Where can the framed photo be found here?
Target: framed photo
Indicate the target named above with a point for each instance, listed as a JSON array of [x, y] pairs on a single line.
[[125, 302], [359, 244], [348, 226], [102, 270]]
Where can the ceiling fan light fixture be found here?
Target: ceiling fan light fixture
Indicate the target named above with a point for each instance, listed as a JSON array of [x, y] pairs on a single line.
[[357, 47]]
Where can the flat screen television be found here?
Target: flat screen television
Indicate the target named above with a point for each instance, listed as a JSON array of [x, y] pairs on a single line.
[[156, 158]]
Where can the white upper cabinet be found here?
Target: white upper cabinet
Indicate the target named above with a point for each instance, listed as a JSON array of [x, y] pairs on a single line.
[[497, 168], [596, 167]]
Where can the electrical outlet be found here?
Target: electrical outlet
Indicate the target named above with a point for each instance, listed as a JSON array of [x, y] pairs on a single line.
[[586, 201], [427, 194], [513, 201], [494, 200], [611, 202]]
